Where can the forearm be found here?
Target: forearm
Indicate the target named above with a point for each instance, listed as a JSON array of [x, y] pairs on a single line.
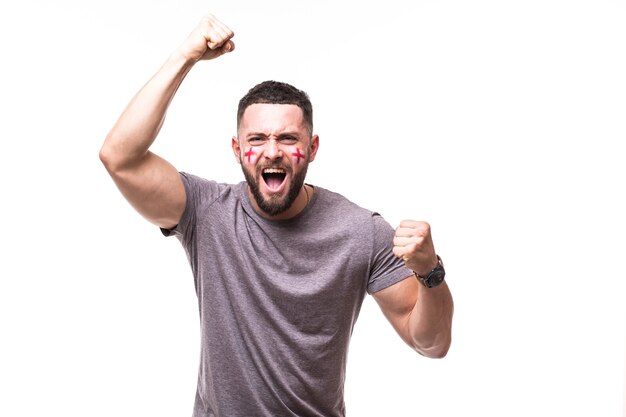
[[430, 323], [150, 183], [127, 144], [136, 129]]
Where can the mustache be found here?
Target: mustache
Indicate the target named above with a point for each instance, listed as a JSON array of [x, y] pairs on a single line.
[[286, 168]]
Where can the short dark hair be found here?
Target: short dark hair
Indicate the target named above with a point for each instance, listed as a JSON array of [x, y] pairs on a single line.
[[276, 92]]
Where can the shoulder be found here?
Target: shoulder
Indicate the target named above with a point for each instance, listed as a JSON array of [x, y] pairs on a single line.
[[196, 181], [334, 201], [347, 211], [205, 191], [335, 206]]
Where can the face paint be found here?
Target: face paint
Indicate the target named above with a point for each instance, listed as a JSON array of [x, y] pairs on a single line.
[[277, 203], [249, 154], [298, 155]]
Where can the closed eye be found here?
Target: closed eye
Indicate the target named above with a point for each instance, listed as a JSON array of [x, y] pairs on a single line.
[[255, 141], [288, 140]]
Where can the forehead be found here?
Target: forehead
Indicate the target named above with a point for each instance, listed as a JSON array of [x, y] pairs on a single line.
[[272, 118]]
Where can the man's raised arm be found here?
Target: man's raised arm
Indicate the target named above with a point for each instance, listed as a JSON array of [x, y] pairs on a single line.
[[150, 183]]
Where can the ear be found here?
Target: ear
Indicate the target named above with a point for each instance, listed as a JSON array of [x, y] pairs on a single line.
[[314, 146], [236, 149]]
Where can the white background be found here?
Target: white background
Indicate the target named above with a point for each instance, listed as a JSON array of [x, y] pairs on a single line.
[[499, 122]]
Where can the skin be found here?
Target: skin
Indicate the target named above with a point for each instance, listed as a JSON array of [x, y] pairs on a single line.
[[274, 135], [269, 135]]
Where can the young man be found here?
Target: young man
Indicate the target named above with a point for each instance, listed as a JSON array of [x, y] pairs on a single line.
[[281, 267]]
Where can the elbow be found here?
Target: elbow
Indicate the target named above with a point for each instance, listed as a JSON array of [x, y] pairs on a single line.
[[105, 156], [107, 153], [110, 162], [436, 347], [434, 352], [111, 157], [439, 352]]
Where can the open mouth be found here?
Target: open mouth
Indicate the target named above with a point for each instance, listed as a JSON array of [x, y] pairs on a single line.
[[273, 178]]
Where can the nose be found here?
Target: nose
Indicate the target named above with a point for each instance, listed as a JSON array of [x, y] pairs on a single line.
[[273, 151]]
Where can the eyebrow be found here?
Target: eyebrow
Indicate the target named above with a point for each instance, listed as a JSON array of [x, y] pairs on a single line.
[[282, 135]]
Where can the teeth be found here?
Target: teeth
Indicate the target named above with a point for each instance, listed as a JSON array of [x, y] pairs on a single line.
[[273, 171]]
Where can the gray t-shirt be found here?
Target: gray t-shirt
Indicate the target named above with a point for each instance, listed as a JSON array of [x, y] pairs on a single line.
[[278, 299]]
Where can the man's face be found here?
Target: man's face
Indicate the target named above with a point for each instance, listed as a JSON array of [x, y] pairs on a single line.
[[274, 149]]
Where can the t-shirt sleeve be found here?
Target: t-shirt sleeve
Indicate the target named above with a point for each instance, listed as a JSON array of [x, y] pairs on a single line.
[[387, 269], [199, 192]]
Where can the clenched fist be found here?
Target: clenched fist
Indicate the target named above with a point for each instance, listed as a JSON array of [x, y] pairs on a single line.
[[413, 244], [210, 39]]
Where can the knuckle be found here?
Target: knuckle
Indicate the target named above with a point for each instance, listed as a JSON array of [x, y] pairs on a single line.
[[423, 229]]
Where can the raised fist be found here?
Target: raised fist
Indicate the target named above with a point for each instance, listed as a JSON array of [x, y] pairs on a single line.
[[210, 39], [413, 244]]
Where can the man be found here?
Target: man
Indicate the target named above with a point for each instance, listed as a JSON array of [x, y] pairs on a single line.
[[281, 267]]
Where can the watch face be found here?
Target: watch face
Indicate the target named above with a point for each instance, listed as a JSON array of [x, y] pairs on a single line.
[[435, 277]]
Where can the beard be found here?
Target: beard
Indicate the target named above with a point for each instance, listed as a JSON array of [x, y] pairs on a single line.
[[275, 204]]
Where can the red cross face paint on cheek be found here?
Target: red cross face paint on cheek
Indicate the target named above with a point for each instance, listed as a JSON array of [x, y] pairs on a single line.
[[249, 154], [297, 155]]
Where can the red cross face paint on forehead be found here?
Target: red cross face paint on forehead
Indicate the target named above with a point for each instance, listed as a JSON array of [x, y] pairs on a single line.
[[297, 155]]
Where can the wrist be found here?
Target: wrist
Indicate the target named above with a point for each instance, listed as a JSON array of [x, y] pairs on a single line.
[[433, 278], [181, 60], [423, 271]]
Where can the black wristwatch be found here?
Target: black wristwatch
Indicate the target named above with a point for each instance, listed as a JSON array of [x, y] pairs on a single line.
[[434, 277]]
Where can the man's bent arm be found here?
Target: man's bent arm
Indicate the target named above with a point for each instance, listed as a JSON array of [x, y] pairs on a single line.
[[422, 316], [150, 183]]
